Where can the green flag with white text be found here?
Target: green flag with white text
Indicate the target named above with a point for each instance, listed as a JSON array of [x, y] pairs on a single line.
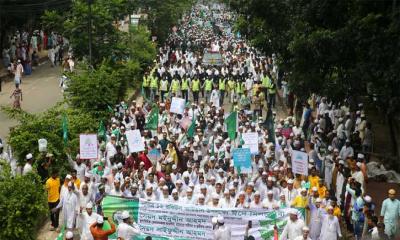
[[152, 120]]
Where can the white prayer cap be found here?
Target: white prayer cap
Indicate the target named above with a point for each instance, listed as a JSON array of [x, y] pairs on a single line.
[[212, 178], [270, 192], [330, 207], [185, 174], [88, 175], [214, 220], [226, 191], [69, 235], [191, 184], [305, 229], [290, 181], [220, 219], [282, 194], [179, 181], [303, 190], [314, 189], [165, 187], [220, 170], [219, 182], [174, 191], [242, 193], [100, 219], [149, 186], [318, 200], [29, 156], [367, 199], [360, 156], [141, 163], [270, 179], [276, 168], [68, 176], [330, 148], [134, 185], [215, 195], [201, 196], [293, 211], [125, 215], [212, 158], [231, 187], [341, 162], [203, 186], [189, 190], [89, 205], [336, 150], [70, 184], [264, 173], [116, 181], [119, 165], [174, 166]]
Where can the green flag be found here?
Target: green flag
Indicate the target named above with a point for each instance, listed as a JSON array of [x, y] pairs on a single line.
[[65, 129], [101, 132], [231, 125], [192, 127], [152, 120]]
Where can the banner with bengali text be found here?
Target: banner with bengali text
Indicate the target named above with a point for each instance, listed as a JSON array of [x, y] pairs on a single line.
[[163, 220]]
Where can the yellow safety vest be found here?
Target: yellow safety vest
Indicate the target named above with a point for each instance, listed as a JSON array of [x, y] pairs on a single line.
[[209, 84], [196, 85], [153, 82], [221, 84], [185, 84], [265, 81], [271, 87], [175, 86], [231, 85], [145, 81], [239, 88]]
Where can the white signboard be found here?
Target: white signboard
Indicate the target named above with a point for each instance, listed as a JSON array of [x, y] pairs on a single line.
[[135, 141], [88, 146], [250, 141], [299, 162], [177, 105]]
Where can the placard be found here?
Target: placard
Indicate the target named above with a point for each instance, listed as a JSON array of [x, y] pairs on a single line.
[[251, 141], [88, 146], [242, 159], [177, 105], [135, 141], [299, 162]]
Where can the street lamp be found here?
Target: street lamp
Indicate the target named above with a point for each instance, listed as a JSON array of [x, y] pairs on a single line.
[[90, 2]]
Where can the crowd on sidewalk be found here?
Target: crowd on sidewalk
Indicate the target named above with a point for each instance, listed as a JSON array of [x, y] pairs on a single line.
[[195, 148]]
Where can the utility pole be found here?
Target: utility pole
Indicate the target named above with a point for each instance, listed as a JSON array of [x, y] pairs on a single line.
[[90, 2]]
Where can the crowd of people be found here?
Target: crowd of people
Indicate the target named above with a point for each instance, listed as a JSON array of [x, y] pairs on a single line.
[[199, 169]]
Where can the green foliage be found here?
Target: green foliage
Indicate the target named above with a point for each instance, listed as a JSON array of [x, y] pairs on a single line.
[[163, 15], [48, 125], [140, 47], [23, 204], [332, 48], [53, 20]]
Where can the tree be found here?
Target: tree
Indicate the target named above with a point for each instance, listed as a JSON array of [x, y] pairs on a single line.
[[23, 204]]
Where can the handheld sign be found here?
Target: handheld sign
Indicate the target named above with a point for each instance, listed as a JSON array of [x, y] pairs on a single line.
[[88, 146]]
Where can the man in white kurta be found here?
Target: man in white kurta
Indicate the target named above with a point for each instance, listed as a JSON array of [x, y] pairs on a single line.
[[330, 226], [222, 232], [294, 226], [127, 229], [315, 218], [88, 217], [305, 235], [390, 213], [69, 203]]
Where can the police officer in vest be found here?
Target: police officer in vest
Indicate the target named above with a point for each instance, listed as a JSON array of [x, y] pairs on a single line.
[[208, 86], [221, 88], [185, 87], [196, 89]]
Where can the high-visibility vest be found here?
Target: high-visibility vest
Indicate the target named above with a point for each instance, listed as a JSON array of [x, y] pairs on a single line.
[[153, 82], [221, 84], [271, 87], [185, 85], [231, 85], [239, 87], [145, 81], [175, 85], [265, 81], [196, 85], [164, 85], [209, 84]]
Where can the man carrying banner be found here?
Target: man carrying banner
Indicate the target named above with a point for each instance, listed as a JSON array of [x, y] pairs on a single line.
[[128, 229], [222, 232]]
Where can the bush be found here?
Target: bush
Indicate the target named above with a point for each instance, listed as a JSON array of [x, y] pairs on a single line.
[[24, 138], [23, 204]]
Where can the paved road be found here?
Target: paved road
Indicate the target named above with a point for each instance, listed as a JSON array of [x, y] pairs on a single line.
[[40, 92]]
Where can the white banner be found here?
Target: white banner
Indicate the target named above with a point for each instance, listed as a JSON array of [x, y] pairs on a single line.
[[88, 146], [299, 162], [177, 105], [250, 141], [135, 141]]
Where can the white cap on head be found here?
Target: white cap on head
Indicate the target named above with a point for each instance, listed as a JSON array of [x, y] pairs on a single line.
[[305, 229], [314, 189], [290, 181], [69, 235], [293, 211], [89, 205], [214, 220], [270, 192], [174, 167], [125, 215], [367, 199], [68, 176], [360, 156], [201, 196], [29, 156], [165, 187], [100, 219], [220, 219], [318, 200], [215, 195], [174, 191]]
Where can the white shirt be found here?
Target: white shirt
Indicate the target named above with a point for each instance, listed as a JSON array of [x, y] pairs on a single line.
[[126, 231], [222, 233], [27, 168], [292, 230], [86, 222]]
